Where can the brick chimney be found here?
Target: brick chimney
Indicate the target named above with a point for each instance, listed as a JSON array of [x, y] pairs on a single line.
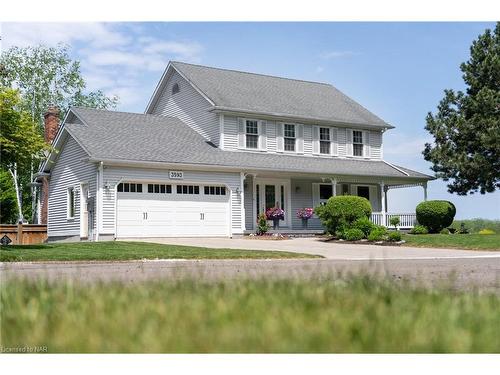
[[51, 123], [51, 126]]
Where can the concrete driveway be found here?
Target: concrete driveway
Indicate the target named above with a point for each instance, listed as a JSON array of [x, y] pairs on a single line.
[[329, 250]]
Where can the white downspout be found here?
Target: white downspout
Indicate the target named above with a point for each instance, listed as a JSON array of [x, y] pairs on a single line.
[[98, 213], [242, 200]]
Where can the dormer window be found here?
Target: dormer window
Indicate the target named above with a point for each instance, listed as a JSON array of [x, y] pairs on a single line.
[[289, 136], [175, 88], [252, 134]]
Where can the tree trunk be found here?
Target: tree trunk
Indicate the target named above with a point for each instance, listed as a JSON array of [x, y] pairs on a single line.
[[13, 172]]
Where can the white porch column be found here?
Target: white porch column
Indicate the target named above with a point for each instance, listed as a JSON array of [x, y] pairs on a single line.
[[334, 186], [384, 207], [424, 185], [242, 200]]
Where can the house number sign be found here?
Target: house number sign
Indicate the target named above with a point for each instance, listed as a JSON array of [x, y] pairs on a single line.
[[176, 175]]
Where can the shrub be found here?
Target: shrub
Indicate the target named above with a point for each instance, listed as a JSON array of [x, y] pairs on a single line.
[[378, 233], [342, 211], [486, 231], [364, 224], [475, 225], [395, 221], [419, 229], [444, 231], [353, 234], [435, 215], [463, 229], [262, 226], [395, 236]]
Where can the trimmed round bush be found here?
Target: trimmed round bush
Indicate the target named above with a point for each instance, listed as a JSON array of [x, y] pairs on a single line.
[[364, 224], [378, 233], [353, 234], [343, 211], [419, 229], [395, 236], [444, 231], [435, 215]]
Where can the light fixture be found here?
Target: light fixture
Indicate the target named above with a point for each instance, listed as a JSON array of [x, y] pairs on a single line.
[[107, 185], [237, 190]]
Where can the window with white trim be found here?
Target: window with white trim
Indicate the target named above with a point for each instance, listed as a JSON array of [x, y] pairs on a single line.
[[289, 137], [188, 189], [159, 189], [127, 187], [325, 192], [71, 203], [357, 143], [325, 141], [215, 190], [252, 134]]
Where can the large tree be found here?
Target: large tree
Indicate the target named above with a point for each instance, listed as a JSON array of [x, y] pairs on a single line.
[[45, 76], [466, 127], [20, 141]]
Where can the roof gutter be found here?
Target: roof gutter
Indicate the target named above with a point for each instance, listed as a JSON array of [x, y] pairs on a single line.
[[240, 111], [158, 164]]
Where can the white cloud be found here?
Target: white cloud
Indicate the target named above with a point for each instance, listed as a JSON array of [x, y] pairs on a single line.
[[337, 54]]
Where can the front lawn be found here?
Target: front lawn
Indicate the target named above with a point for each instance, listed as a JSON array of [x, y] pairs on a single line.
[[80, 251], [457, 241], [357, 314]]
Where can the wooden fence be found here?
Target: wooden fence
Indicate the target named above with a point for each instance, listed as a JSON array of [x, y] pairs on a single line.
[[24, 234]]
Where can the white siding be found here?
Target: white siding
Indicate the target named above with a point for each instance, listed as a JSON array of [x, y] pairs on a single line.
[[271, 136], [230, 133], [308, 147], [70, 170], [189, 106], [250, 217], [341, 137], [114, 175]]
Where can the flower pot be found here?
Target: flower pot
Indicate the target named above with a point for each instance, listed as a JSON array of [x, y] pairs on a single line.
[[304, 223], [276, 224]]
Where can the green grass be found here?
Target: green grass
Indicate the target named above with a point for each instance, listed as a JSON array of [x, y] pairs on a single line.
[[357, 314], [457, 241], [81, 251], [475, 225]]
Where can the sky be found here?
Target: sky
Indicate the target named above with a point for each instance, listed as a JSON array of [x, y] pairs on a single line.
[[396, 70]]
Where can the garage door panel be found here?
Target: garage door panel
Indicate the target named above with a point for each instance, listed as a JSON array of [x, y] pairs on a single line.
[[172, 215]]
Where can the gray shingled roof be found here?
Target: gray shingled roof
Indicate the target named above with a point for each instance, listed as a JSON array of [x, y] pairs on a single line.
[[285, 97], [124, 136]]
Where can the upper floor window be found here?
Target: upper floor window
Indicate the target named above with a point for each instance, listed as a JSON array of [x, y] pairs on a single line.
[[357, 143], [175, 88], [289, 136], [252, 133], [324, 141]]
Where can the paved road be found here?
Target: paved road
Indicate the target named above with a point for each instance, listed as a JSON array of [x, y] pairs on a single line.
[[469, 273], [328, 250]]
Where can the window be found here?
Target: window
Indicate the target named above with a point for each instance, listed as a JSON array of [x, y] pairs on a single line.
[[188, 189], [175, 88], [324, 141], [215, 190], [71, 203], [357, 143], [289, 135], [127, 187], [325, 192], [364, 191], [252, 134], [159, 188]]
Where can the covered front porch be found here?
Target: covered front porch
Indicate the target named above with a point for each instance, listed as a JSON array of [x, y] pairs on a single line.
[[293, 192]]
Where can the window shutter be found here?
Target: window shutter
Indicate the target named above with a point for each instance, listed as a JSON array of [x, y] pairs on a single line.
[[241, 133], [262, 135], [279, 137], [334, 141], [349, 141], [366, 144], [315, 139], [300, 138]]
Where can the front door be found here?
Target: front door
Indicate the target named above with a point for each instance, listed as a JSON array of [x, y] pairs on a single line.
[[272, 193]]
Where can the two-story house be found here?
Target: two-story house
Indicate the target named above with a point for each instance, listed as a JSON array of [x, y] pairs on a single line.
[[213, 149]]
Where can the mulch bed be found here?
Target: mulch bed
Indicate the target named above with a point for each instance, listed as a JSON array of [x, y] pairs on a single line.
[[362, 242], [268, 237]]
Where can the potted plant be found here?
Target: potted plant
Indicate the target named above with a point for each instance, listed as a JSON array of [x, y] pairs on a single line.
[[305, 214], [275, 214]]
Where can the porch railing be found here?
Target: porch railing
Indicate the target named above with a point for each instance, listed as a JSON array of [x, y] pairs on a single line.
[[407, 220]]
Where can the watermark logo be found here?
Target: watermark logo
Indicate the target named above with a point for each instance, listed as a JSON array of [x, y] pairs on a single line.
[[24, 349]]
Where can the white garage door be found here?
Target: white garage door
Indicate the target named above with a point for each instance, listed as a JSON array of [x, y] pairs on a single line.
[[168, 210]]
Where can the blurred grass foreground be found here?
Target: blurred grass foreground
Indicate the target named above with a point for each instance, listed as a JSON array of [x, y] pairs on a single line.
[[356, 314]]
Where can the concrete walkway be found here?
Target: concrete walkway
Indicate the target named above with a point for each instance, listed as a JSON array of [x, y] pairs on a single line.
[[328, 250]]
